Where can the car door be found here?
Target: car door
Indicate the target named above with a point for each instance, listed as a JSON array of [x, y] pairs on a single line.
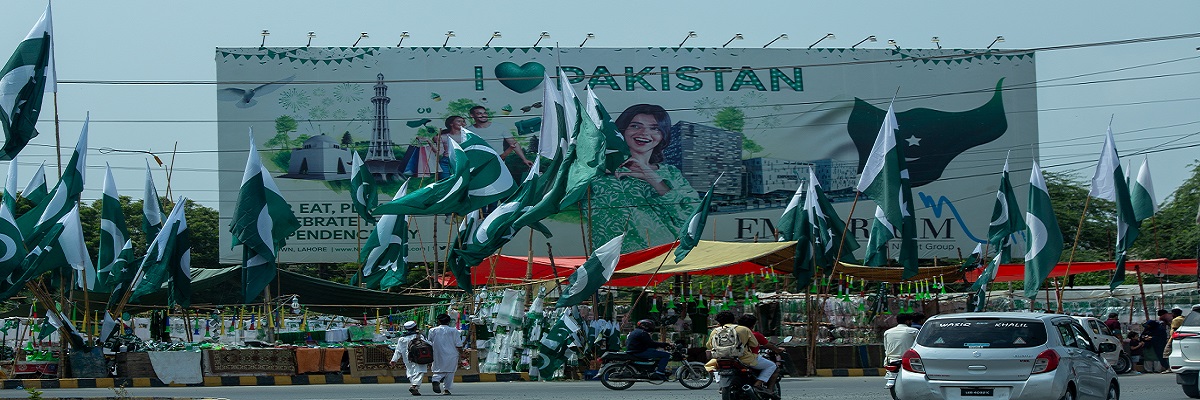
[[1101, 334], [1091, 367]]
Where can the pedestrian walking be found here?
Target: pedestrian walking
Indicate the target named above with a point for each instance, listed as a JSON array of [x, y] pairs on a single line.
[[414, 370], [447, 350]]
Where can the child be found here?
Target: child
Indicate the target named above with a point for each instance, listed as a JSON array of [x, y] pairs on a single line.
[[1133, 346]]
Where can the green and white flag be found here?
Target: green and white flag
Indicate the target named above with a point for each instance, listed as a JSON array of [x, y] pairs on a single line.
[[364, 194], [262, 222], [827, 227], [384, 257], [36, 190], [594, 272], [981, 285], [548, 143], [24, 80], [65, 194], [690, 235], [152, 213], [1110, 183], [168, 260], [972, 260], [494, 231], [885, 180], [1005, 216], [121, 273], [552, 348], [590, 153], [877, 244], [459, 265], [447, 196], [10, 187], [1142, 194], [488, 179], [113, 232], [616, 151], [12, 245], [789, 222], [1041, 228], [61, 246]]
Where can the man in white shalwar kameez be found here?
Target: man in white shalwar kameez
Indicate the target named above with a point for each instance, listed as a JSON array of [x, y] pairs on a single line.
[[447, 347], [415, 372]]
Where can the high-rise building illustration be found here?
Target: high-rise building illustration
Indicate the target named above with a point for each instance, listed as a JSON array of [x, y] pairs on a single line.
[[703, 152], [380, 148]]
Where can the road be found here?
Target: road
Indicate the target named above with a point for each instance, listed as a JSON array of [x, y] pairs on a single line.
[[1152, 386]]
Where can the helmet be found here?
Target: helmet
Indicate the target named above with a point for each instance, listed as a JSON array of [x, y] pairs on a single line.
[[646, 325]]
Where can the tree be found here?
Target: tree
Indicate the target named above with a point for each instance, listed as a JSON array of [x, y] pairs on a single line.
[[730, 119], [283, 125], [1172, 232], [202, 220]]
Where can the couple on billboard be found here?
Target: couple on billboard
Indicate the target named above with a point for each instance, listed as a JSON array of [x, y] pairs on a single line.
[[646, 198]]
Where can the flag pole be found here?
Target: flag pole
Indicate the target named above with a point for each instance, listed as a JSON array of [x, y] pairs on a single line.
[[57, 137], [1078, 231], [1142, 289], [842, 241]]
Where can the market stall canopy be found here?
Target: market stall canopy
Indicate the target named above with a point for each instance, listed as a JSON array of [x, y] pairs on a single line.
[[711, 258], [510, 270], [1160, 266], [894, 274]]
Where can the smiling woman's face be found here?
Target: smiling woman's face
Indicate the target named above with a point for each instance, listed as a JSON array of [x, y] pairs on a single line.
[[642, 134]]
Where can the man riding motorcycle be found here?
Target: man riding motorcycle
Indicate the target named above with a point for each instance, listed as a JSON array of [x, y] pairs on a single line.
[[640, 344], [746, 337]]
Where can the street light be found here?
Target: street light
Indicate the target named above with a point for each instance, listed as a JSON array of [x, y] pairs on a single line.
[[998, 40], [866, 39], [936, 42], [311, 35], [361, 36], [781, 36], [585, 38], [892, 42], [264, 34], [736, 36], [495, 34], [827, 36], [691, 34], [449, 34], [540, 37], [403, 35]]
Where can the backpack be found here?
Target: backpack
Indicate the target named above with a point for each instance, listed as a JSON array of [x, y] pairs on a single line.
[[420, 351], [725, 343]]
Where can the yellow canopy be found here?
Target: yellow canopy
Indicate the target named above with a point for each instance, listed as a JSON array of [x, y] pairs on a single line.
[[719, 258]]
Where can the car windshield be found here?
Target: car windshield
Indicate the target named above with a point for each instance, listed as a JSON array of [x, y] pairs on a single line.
[[982, 333], [1192, 319]]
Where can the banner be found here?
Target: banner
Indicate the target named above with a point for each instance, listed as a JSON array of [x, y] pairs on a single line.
[[761, 116]]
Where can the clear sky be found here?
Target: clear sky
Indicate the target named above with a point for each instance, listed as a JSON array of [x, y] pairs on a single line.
[[145, 69]]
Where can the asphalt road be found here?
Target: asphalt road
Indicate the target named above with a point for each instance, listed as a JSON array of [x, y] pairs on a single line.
[[1146, 386]]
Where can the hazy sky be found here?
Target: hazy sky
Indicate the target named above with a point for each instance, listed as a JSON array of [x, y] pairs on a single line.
[[145, 69]]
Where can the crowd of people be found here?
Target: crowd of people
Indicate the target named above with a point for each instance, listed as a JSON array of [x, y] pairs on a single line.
[[1152, 346]]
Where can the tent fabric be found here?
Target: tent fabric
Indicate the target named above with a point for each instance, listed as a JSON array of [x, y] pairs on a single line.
[[1016, 272], [894, 274], [509, 270]]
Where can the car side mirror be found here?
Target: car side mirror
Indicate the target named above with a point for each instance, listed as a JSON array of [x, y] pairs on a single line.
[[1107, 347]]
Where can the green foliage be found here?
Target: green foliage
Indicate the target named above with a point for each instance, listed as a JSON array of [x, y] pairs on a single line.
[[1098, 238], [459, 107], [1172, 232], [34, 394], [750, 147], [347, 140], [730, 119], [285, 124], [202, 221]]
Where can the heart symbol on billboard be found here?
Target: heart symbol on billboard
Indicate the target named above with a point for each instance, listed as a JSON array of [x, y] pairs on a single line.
[[521, 78]]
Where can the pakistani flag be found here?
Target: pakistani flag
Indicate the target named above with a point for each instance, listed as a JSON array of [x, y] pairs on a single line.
[[364, 193], [877, 245], [789, 222], [168, 260], [459, 265], [616, 151], [12, 246], [827, 227], [885, 180], [1142, 194], [488, 179], [35, 190], [262, 221], [1005, 220], [384, 257], [590, 154], [552, 348], [152, 214], [65, 194], [973, 259], [494, 231], [113, 233], [447, 196], [981, 285], [594, 272], [695, 228], [10, 187], [1045, 239], [548, 144], [121, 273], [26, 77], [61, 245], [1110, 183]]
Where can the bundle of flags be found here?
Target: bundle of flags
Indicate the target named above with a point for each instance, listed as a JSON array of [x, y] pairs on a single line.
[[262, 221], [1005, 223], [819, 232], [885, 180], [1110, 183]]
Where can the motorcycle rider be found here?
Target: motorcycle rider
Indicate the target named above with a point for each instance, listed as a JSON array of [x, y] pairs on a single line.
[[640, 344], [899, 338], [765, 367]]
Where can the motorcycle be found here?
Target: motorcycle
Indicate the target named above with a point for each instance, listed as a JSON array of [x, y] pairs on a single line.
[[737, 380], [892, 370], [621, 370]]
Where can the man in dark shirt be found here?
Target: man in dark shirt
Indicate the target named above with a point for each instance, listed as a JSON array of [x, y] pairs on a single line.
[[1113, 324], [639, 343]]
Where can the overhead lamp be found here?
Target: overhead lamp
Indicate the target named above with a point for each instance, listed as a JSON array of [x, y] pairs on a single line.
[[495, 34], [361, 36], [403, 35], [691, 34], [265, 33], [449, 34], [866, 39], [781, 36], [997, 40], [936, 42], [827, 36], [540, 37], [892, 42], [311, 35], [736, 36], [585, 38]]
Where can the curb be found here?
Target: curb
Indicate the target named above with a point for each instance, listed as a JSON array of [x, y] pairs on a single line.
[[850, 372], [283, 380]]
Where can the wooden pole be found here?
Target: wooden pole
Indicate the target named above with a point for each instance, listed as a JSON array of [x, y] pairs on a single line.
[[1142, 289], [1067, 273], [842, 240]]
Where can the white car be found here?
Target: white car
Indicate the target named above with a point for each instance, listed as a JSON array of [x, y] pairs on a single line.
[[1100, 333], [1185, 354], [1005, 355]]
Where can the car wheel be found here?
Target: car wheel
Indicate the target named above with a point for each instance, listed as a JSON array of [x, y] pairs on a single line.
[[1192, 390], [1124, 364], [1069, 395], [1113, 392]]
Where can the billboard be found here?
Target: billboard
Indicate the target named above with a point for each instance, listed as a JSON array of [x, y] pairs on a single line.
[[762, 117]]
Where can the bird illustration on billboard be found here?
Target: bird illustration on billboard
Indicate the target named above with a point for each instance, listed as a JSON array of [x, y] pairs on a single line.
[[245, 97]]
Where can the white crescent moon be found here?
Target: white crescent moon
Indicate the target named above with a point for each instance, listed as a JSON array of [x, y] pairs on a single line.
[[10, 247], [1037, 236], [1003, 210], [358, 196]]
